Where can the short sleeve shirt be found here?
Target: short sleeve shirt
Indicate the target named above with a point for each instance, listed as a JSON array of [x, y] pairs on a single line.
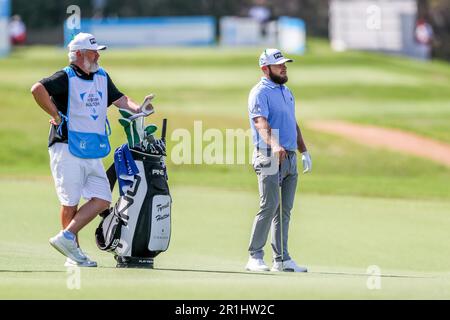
[[275, 103], [57, 87]]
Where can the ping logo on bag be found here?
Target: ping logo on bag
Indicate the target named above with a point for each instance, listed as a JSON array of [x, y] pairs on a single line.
[[158, 172]]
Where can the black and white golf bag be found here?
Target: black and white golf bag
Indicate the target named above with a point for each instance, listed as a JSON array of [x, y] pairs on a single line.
[[138, 227]]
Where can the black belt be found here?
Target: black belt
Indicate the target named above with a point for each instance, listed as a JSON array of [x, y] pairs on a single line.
[[268, 152]]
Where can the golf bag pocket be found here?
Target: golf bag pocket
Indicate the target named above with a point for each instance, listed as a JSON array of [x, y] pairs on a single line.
[[160, 226]]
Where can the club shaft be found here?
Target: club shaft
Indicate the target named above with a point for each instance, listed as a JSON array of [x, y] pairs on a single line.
[[280, 196], [164, 127], [135, 116]]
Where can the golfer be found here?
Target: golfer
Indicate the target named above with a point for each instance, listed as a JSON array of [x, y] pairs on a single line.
[[276, 137], [77, 99]]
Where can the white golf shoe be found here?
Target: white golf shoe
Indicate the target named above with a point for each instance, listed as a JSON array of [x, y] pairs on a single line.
[[85, 264], [288, 266], [256, 265], [67, 247]]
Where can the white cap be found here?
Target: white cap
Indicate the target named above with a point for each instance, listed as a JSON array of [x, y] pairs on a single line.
[[84, 41], [272, 56]]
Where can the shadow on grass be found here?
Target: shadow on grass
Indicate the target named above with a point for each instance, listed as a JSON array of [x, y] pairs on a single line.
[[369, 275], [32, 271], [201, 271], [218, 271], [309, 272]]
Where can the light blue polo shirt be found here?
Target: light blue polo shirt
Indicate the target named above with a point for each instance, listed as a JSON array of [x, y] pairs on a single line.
[[275, 103]]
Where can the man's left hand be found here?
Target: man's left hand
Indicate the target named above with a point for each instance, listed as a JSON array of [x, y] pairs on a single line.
[[307, 162]]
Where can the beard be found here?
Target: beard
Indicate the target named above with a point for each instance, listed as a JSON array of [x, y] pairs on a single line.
[[277, 79], [90, 66]]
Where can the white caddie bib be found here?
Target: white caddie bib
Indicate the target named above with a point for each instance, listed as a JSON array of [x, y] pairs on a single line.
[[86, 115]]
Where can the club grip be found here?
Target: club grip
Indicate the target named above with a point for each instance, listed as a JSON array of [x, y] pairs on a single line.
[[280, 178], [164, 127]]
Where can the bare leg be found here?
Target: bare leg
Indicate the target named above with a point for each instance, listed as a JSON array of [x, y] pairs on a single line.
[[67, 214], [86, 214]]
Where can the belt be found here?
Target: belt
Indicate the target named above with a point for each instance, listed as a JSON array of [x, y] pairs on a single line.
[[268, 152]]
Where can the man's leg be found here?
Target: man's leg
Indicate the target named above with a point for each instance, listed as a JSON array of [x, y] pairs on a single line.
[[73, 221], [67, 213], [268, 193], [86, 214], [288, 189]]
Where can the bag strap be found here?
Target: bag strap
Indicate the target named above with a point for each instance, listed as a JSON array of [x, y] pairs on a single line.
[[108, 130], [64, 118]]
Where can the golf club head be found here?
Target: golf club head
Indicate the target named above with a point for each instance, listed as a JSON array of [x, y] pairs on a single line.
[[150, 129], [149, 139], [131, 131], [146, 106], [125, 113], [124, 122]]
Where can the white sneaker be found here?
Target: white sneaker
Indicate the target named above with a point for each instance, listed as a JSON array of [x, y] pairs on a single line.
[[88, 263], [83, 254], [257, 265], [288, 266], [67, 247]]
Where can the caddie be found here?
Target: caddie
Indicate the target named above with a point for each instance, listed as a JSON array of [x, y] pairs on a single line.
[[77, 98]]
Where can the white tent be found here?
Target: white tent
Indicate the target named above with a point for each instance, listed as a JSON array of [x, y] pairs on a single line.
[[378, 25]]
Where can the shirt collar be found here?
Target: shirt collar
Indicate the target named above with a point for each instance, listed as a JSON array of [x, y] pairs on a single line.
[[80, 73], [269, 83], [78, 70]]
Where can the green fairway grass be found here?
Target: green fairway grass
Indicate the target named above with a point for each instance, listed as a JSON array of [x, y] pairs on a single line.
[[360, 206], [337, 237]]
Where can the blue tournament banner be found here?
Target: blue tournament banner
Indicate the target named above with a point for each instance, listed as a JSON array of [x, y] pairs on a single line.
[[5, 8], [292, 35], [153, 31]]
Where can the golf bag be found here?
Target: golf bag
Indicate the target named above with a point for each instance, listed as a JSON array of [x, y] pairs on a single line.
[[138, 227]]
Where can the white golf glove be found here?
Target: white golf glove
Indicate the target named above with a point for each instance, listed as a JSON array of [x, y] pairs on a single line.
[[307, 162]]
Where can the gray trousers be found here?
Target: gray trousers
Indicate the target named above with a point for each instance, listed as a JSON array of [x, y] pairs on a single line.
[[268, 215]]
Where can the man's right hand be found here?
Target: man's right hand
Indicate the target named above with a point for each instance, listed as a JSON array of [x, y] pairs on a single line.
[[56, 120], [280, 152]]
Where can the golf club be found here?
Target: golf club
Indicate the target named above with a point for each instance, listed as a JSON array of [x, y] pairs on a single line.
[[146, 108], [280, 197], [164, 127]]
